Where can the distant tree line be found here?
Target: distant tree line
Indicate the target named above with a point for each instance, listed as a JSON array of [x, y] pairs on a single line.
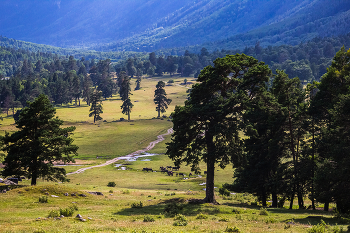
[[308, 61], [63, 80]]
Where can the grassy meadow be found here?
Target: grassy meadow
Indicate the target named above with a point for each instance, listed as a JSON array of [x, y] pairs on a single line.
[[140, 201]]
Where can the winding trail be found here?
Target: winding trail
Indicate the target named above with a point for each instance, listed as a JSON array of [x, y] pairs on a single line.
[[149, 147]]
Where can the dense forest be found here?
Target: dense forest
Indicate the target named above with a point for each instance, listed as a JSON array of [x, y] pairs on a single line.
[[64, 78]]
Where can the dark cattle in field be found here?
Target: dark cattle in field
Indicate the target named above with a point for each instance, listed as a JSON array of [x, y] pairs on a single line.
[[176, 168], [169, 167], [190, 175], [15, 180], [147, 169], [170, 173], [205, 172], [181, 174]]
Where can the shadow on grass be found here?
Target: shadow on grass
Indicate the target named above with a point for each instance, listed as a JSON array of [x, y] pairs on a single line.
[[187, 209]]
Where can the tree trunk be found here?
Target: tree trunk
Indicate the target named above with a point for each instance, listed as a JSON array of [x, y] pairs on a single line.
[[326, 206], [292, 199], [34, 177], [209, 191], [274, 200], [263, 198], [300, 200]]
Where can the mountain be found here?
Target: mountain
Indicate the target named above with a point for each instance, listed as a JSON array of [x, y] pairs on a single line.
[[147, 25]]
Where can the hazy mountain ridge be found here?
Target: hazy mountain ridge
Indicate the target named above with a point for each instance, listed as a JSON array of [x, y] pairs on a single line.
[[148, 25]]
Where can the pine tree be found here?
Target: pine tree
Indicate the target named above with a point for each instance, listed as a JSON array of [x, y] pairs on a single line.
[[96, 105], [161, 99], [125, 92], [207, 127], [38, 143]]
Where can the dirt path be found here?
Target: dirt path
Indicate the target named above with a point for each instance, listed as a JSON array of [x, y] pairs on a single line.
[[149, 147]]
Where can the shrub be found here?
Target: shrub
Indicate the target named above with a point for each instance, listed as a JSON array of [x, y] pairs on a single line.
[[224, 220], [263, 211], [43, 199], [69, 211], [232, 229], [148, 219], [271, 220], [111, 184], [110, 191], [319, 228], [172, 209], [126, 192], [171, 81], [53, 214], [137, 205], [236, 211], [201, 216], [224, 192], [180, 220]]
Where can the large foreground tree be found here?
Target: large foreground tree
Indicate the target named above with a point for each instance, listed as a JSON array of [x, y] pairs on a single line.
[[207, 127], [39, 142]]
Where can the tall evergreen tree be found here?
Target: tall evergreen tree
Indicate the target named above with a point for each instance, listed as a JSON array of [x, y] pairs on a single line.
[[125, 92], [39, 142], [207, 127], [161, 99], [96, 105]]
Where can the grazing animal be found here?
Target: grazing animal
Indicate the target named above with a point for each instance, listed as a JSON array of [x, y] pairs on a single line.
[[169, 167], [190, 174], [176, 168], [147, 169], [181, 174], [205, 172], [170, 173]]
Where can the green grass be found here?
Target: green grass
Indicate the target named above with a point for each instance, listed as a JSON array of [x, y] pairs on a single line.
[[21, 211]]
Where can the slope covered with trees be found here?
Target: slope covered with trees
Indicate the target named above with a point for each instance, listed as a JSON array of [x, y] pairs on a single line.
[[155, 24]]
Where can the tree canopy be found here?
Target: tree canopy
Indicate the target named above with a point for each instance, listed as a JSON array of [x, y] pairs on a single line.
[[207, 127], [161, 99], [39, 142]]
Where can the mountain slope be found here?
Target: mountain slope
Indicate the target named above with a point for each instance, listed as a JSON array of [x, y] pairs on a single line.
[[147, 25]]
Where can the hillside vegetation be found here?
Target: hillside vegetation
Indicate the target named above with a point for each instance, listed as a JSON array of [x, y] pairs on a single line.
[[118, 26]]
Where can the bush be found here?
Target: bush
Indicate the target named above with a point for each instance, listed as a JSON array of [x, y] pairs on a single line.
[[43, 199], [232, 229], [236, 211], [224, 220], [171, 81], [172, 209], [201, 216], [224, 192], [263, 211], [271, 220], [69, 211], [319, 228], [53, 214], [137, 205], [126, 192], [180, 220], [148, 219], [111, 184]]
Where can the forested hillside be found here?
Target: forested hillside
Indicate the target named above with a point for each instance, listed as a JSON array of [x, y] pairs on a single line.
[[28, 47], [154, 24]]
